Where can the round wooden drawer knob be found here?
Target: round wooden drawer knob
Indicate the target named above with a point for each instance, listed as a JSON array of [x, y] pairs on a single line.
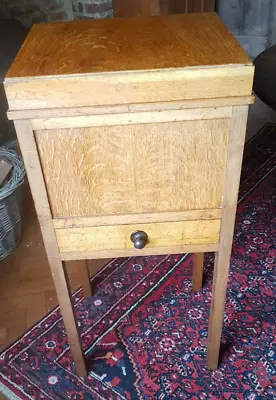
[[139, 239]]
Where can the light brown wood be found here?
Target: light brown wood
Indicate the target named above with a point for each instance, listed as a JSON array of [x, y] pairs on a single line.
[[130, 87], [132, 118], [32, 165], [155, 167], [85, 278], [188, 215], [197, 271], [231, 187], [103, 254], [126, 45], [131, 124], [182, 104], [117, 237], [173, 105]]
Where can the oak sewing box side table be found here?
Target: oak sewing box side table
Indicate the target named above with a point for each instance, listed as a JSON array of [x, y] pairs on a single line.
[[132, 133]]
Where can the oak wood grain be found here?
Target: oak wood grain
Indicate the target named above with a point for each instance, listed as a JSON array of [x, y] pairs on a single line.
[[103, 254], [130, 87], [187, 215], [126, 45], [117, 237], [222, 262], [28, 148], [127, 164], [134, 169], [129, 108], [132, 118]]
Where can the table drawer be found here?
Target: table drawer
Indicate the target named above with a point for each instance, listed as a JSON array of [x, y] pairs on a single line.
[[165, 235]]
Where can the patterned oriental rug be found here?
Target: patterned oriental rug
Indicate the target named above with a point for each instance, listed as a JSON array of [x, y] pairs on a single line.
[[145, 332]]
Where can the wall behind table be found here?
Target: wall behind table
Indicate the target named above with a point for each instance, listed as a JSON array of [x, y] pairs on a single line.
[[32, 11], [253, 22], [127, 8]]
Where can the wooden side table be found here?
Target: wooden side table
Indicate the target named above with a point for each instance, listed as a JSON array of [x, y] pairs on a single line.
[[132, 133]]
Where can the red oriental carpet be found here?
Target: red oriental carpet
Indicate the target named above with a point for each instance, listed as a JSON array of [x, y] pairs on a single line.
[[145, 332]]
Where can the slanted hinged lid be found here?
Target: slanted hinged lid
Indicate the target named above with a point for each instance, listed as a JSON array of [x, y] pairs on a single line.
[[120, 61]]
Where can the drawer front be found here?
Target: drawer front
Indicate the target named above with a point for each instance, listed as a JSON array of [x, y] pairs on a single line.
[[137, 168], [118, 237]]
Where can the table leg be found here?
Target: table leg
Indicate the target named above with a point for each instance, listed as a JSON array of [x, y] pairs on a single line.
[[197, 271], [83, 271], [58, 269], [69, 318], [217, 306], [229, 203]]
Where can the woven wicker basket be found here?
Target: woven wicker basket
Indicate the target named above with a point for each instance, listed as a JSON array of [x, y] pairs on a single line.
[[10, 204]]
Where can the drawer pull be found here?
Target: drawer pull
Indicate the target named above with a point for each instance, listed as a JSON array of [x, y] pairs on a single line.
[[139, 239]]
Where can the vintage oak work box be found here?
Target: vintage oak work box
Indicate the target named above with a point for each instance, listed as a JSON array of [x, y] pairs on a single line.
[[132, 133]]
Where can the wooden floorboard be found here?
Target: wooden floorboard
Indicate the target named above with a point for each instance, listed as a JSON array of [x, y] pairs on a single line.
[[26, 287]]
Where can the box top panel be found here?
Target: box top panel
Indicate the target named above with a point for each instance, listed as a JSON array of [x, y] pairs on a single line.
[[100, 46]]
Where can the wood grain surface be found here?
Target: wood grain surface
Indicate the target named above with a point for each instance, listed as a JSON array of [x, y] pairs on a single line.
[[130, 87], [139, 163], [147, 251], [83, 47], [223, 256], [163, 234], [31, 161], [131, 118], [129, 108], [187, 215], [129, 169]]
